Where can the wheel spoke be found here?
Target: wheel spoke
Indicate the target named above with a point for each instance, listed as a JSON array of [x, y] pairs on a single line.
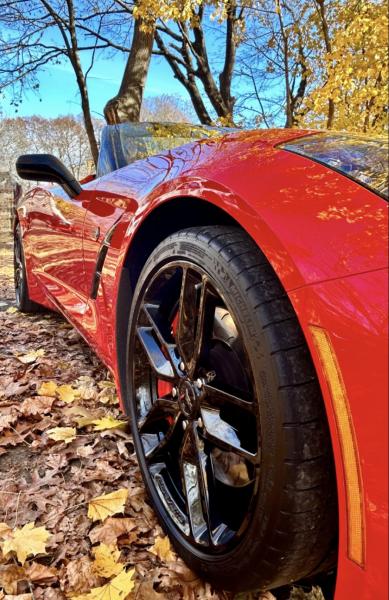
[[187, 315], [223, 435], [160, 329], [161, 365], [195, 485], [154, 445], [161, 408], [193, 313], [216, 398]]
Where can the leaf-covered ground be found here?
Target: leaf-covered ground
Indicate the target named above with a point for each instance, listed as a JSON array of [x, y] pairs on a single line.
[[63, 445]]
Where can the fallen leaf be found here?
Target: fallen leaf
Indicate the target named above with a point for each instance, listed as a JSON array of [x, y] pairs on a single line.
[[80, 576], [84, 451], [11, 310], [106, 384], [123, 450], [106, 560], [112, 529], [105, 506], [117, 589], [66, 393], [31, 357], [83, 416], [162, 549], [146, 591], [62, 434], [14, 388], [48, 388], [107, 395], [7, 420], [12, 438], [9, 577], [38, 573], [86, 388], [36, 405], [108, 423], [4, 530], [26, 541]]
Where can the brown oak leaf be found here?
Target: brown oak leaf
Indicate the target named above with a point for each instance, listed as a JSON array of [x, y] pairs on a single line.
[[112, 529], [36, 406]]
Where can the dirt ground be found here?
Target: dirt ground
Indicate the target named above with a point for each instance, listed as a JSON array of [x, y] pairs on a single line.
[[50, 481]]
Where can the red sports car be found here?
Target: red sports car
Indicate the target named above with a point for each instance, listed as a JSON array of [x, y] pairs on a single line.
[[237, 288]]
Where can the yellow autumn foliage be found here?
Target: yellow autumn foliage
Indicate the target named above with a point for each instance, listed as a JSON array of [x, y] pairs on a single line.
[[355, 72]]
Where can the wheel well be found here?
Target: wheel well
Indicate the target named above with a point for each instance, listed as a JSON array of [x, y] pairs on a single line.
[[172, 216]]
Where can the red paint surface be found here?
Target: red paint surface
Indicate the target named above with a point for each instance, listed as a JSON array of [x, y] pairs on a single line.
[[326, 238]]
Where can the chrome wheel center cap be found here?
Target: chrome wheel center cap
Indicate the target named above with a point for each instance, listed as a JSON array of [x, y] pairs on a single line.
[[188, 397]]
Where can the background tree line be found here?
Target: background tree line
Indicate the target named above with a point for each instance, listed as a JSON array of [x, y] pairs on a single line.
[[320, 63], [66, 138]]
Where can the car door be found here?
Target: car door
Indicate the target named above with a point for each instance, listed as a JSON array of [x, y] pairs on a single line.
[[104, 212], [56, 233]]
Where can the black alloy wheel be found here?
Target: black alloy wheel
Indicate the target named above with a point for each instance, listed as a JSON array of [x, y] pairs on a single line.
[[202, 384], [18, 270], [22, 298]]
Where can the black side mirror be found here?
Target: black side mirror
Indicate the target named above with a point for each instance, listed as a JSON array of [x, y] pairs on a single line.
[[45, 167]]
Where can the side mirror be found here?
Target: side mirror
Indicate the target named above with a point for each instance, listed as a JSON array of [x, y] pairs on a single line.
[[45, 167]]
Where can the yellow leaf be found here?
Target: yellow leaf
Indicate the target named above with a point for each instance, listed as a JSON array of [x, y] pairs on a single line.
[[108, 423], [66, 393], [117, 589], [82, 416], [62, 434], [106, 561], [48, 388], [29, 540], [106, 384], [105, 506], [162, 549], [11, 310], [30, 357]]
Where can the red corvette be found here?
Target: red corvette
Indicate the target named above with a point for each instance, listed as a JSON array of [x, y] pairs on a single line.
[[237, 288]]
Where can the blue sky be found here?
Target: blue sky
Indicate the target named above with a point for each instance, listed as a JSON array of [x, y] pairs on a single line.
[[59, 95]]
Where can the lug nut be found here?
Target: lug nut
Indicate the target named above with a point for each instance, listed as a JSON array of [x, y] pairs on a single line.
[[199, 383], [184, 425], [182, 366], [174, 392]]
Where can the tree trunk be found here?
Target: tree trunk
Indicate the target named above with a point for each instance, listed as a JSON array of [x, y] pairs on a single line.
[[86, 112], [89, 128], [188, 58], [126, 105], [328, 45], [74, 57], [285, 58], [225, 77]]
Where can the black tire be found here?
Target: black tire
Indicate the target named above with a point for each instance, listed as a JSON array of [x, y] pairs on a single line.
[[22, 298], [289, 529]]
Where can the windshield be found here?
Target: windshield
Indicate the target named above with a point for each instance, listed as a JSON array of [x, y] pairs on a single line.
[[363, 159], [127, 142]]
